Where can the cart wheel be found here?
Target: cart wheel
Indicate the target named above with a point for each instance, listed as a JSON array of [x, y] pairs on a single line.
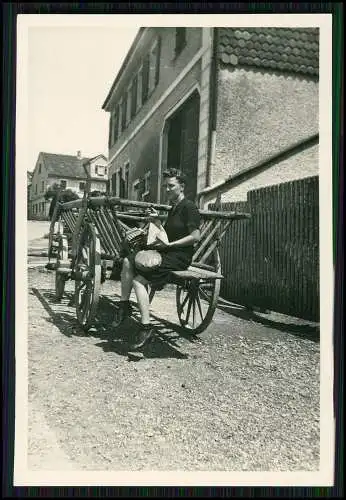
[[197, 300], [87, 275], [62, 255]]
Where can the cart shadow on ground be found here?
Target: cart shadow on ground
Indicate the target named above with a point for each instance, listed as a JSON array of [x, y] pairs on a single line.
[[301, 329], [166, 343]]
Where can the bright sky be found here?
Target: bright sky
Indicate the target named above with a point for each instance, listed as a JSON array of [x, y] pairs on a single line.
[[70, 71]]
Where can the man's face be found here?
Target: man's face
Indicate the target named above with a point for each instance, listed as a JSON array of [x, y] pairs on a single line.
[[173, 188]]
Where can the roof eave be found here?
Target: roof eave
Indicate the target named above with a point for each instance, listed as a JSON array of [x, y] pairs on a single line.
[[123, 66]]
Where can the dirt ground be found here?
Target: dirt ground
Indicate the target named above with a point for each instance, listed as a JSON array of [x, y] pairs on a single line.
[[243, 396]]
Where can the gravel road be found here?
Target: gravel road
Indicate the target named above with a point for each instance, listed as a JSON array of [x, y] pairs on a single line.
[[243, 396]]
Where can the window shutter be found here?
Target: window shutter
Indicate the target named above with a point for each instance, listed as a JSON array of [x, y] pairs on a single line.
[[158, 57], [134, 97], [145, 81], [114, 184], [116, 127], [123, 112], [180, 39], [110, 131]]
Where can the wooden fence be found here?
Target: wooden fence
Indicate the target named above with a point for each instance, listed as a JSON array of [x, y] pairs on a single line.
[[272, 260]]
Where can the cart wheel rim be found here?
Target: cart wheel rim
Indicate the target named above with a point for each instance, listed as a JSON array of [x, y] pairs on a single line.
[[196, 303], [87, 289]]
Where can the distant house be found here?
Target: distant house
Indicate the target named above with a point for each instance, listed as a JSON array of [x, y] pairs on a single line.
[[219, 103], [67, 171]]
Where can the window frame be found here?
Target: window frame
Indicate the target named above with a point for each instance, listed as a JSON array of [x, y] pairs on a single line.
[[97, 171]]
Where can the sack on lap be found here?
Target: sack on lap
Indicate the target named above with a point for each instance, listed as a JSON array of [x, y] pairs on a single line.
[[146, 260]]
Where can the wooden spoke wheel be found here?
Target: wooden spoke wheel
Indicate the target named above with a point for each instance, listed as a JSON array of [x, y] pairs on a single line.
[[62, 256], [196, 299], [87, 275]]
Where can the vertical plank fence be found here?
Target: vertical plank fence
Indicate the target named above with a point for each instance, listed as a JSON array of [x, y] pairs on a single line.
[[272, 260]]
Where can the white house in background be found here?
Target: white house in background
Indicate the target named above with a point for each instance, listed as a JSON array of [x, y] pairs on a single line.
[[69, 172]]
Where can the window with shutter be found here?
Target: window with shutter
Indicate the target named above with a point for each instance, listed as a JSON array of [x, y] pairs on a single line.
[[134, 97], [146, 183], [119, 129], [121, 183], [145, 79], [115, 127], [128, 106], [152, 68], [139, 87], [180, 40], [158, 57], [110, 136], [123, 113], [127, 176], [114, 184]]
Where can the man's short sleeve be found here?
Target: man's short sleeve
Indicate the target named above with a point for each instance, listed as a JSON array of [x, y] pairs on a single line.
[[193, 217]]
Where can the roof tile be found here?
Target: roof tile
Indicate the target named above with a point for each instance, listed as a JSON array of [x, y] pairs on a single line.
[[293, 50]]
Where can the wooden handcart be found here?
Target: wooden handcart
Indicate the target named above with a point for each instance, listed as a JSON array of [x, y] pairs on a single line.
[[87, 238]]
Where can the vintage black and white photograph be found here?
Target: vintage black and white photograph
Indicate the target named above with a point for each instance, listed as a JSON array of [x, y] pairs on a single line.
[[172, 317]]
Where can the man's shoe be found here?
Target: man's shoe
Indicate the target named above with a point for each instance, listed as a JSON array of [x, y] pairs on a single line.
[[143, 337], [124, 311]]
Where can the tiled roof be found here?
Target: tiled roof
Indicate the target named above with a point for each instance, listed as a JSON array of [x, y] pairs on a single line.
[[289, 50], [64, 165]]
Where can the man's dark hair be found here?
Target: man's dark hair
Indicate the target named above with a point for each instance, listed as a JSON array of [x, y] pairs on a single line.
[[175, 172]]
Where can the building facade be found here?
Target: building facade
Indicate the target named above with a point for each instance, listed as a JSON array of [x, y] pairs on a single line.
[[156, 111], [69, 172], [28, 189], [237, 107]]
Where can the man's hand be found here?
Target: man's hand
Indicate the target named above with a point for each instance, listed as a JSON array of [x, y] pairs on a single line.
[[153, 216]]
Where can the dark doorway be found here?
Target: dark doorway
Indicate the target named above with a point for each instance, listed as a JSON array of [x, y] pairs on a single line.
[[182, 143]]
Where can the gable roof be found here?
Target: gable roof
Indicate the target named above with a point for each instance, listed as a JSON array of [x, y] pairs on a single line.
[[289, 50], [64, 165], [89, 160], [29, 177]]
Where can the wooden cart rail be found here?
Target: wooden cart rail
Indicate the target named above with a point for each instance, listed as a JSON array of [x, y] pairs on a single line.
[[106, 214], [104, 201]]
